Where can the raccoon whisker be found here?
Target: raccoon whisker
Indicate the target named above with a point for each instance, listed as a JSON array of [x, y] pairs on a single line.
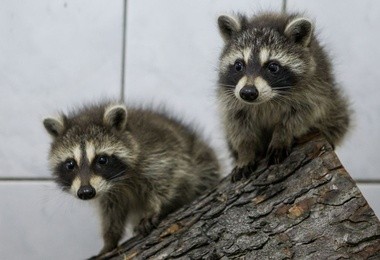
[[120, 187], [277, 101], [231, 93], [121, 183], [227, 85], [113, 192], [279, 88], [128, 161], [282, 95], [228, 96], [282, 91], [121, 178], [280, 99], [117, 175]]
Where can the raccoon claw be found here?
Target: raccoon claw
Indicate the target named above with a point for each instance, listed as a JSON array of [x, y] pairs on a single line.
[[277, 155], [244, 172], [148, 224], [237, 174]]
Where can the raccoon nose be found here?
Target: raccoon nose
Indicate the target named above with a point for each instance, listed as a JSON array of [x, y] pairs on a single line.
[[86, 192], [249, 93]]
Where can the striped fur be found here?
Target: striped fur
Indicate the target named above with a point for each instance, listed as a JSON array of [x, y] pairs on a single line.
[[141, 164], [282, 91]]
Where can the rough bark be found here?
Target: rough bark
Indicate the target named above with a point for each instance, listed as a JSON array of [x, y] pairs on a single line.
[[308, 207]]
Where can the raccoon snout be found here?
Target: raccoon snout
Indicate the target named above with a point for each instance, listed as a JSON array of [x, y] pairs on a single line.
[[249, 93], [86, 192]]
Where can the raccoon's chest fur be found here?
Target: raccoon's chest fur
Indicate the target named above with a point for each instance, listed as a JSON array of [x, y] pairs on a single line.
[[252, 122]]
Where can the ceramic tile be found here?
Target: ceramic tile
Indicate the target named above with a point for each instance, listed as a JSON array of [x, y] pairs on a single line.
[[53, 55], [372, 194], [349, 29], [38, 221], [172, 58]]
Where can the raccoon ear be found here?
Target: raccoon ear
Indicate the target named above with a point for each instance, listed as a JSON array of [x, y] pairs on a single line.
[[300, 31], [228, 26], [54, 126], [115, 116]]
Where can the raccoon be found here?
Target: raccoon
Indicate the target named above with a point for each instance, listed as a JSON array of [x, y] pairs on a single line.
[[275, 85], [136, 164]]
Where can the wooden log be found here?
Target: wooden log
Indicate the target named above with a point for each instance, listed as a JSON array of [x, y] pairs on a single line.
[[308, 207]]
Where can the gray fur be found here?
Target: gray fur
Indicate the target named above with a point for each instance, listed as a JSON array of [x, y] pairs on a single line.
[[54, 126], [311, 101], [166, 163]]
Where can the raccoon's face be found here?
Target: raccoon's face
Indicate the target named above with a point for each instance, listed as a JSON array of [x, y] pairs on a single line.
[[262, 63], [88, 157]]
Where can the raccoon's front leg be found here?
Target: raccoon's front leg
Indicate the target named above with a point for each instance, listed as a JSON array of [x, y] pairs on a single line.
[[246, 160], [280, 146], [113, 218], [243, 172], [147, 224], [152, 216]]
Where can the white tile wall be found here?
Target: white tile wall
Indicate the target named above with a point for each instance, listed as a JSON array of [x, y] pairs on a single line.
[[55, 54], [371, 192], [172, 51], [37, 221], [350, 30]]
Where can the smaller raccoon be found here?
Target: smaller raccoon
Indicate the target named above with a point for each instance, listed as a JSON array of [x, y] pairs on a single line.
[[275, 85], [136, 164]]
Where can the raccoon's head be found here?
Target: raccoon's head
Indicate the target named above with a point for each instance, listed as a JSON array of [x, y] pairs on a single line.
[[91, 149], [264, 57]]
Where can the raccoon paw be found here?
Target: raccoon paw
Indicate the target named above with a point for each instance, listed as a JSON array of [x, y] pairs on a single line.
[[148, 224], [244, 172], [277, 155]]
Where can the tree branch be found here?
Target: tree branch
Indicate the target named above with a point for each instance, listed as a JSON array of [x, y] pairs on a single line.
[[306, 207]]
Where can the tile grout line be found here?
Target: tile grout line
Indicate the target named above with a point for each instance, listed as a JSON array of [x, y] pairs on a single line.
[[123, 50], [21, 179], [283, 7], [367, 181], [36, 179], [122, 93]]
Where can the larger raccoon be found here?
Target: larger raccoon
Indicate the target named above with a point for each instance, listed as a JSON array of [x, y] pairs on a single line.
[[137, 165], [275, 85]]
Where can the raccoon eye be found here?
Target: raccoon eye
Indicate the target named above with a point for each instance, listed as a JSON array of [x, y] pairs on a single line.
[[70, 165], [102, 160], [239, 66], [273, 67]]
